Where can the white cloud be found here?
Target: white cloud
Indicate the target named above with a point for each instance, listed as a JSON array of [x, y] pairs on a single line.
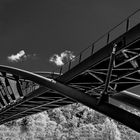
[[59, 60], [20, 56]]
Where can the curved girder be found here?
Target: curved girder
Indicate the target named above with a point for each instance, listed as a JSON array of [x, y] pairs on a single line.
[[114, 112]]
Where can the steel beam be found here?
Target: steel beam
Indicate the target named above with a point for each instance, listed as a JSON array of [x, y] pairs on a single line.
[[104, 95], [110, 110], [132, 36], [127, 98], [35, 107], [34, 94]]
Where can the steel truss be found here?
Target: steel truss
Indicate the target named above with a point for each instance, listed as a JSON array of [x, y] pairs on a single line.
[[28, 108], [23, 93]]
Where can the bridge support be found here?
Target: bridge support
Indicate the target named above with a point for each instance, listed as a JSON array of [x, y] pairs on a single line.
[[110, 110], [104, 95]]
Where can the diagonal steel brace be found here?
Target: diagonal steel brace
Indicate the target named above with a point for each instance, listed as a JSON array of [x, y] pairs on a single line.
[[104, 95]]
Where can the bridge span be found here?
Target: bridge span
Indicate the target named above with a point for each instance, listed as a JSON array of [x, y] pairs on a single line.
[[95, 78]]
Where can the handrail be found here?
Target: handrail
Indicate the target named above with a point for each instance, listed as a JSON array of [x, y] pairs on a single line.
[[92, 45]]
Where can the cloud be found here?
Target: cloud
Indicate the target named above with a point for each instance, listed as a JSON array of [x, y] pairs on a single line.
[[19, 57], [61, 59]]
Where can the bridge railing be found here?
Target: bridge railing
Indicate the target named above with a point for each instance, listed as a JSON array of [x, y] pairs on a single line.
[[125, 25]]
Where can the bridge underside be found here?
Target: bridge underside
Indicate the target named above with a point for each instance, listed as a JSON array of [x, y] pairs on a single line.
[[106, 73]]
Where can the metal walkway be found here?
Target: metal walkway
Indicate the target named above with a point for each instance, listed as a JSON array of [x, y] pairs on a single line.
[[94, 78]]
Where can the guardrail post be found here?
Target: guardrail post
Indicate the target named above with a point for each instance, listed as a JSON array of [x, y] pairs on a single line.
[[108, 36], [127, 24], [60, 72], [80, 57], [69, 65], [92, 49]]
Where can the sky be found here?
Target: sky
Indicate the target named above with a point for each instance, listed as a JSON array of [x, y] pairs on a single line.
[[33, 31]]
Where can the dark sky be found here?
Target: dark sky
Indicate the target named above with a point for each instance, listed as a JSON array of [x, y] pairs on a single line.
[[46, 27]]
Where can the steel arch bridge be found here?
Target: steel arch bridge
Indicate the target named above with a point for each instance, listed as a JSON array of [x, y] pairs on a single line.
[[97, 81]]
